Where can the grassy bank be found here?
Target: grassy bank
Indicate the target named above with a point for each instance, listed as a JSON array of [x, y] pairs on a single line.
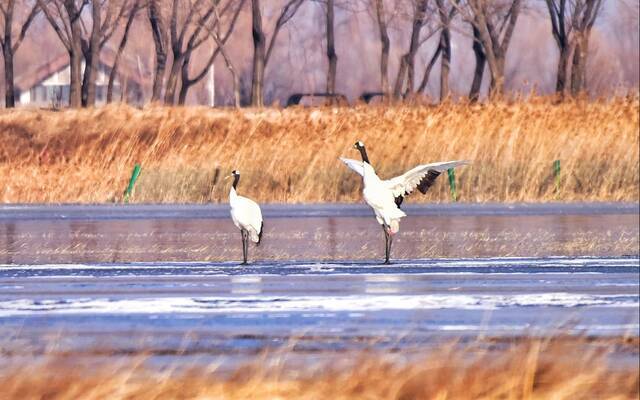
[[291, 155], [558, 368]]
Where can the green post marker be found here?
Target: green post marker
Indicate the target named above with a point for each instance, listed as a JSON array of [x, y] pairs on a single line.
[[132, 181], [452, 183], [556, 174]]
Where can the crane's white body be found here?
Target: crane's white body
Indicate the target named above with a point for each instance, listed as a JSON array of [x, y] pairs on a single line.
[[380, 194], [246, 215]]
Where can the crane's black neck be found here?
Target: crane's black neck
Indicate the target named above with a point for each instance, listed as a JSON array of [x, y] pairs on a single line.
[[236, 179], [363, 153]]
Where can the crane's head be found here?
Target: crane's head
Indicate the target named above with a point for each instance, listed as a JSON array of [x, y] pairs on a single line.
[[363, 152], [234, 173]]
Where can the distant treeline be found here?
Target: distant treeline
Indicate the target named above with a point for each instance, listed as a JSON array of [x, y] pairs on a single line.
[[188, 36]]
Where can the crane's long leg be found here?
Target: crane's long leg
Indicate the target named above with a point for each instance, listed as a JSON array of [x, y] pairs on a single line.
[[390, 240], [244, 246], [387, 244]]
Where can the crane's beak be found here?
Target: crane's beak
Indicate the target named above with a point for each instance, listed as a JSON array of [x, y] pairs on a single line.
[[355, 146], [228, 176]]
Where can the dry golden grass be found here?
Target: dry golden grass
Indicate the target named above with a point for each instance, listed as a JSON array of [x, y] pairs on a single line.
[[290, 155], [557, 368]]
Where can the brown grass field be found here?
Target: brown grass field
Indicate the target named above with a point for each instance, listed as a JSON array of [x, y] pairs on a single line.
[[290, 155], [560, 368]]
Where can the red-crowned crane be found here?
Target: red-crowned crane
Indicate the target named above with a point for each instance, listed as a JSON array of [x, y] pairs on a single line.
[[246, 216], [385, 196]]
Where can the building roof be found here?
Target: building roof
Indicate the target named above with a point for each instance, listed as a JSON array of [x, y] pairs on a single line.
[[32, 77], [37, 74]]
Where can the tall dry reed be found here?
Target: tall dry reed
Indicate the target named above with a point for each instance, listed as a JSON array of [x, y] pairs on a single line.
[[544, 368], [290, 155]]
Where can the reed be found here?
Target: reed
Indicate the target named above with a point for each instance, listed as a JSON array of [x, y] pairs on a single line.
[[533, 368], [290, 155]]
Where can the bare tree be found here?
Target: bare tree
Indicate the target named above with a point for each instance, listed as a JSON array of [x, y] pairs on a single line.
[[135, 6], [177, 30], [571, 24], [214, 18], [445, 46], [384, 46], [10, 43], [493, 22], [105, 17], [478, 71], [421, 17], [332, 57], [583, 31], [262, 52], [161, 42], [406, 70], [443, 49], [192, 15], [91, 51], [65, 16], [215, 34], [430, 65]]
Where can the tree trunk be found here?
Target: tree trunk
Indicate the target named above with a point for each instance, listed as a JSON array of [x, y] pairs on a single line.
[[563, 64], [75, 67], [186, 83], [236, 89], [476, 85], [257, 78], [445, 46], [427, 71], [172, 80], [92, 58], [159, 40], [579, 64], [445, 67], [331, 50], [75, 57], [7, 52], [497, 77], [408, 61], [402, 72], [116, 62], [9, 94], [112, 77], [494, 42], [413, 47], [158, 77], [384, 48], [87, 77], [234, 76]]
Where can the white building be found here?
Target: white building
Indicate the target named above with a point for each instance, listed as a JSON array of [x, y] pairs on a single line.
[[47, 85]]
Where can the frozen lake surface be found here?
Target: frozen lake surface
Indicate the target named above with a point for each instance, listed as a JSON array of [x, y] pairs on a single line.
[[99, 297], [228, 308], [116, 233]]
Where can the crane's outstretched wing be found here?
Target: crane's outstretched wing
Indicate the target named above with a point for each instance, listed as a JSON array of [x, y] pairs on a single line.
[[354, 165], [421, 177]]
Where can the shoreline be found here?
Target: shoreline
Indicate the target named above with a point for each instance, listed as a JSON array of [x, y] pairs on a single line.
[[97, 211]]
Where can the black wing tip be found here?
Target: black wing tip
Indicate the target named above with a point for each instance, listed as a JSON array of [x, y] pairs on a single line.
[[399, 200], [427, 181], [260, 233]]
